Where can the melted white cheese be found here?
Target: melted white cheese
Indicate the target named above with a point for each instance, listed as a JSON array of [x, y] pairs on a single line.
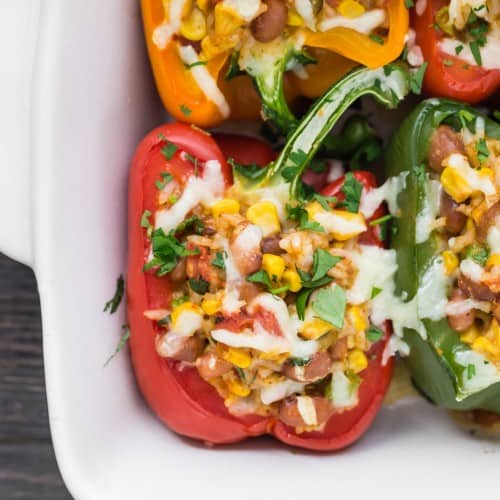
[[476, 182], [187, 323], [205, 190], [365, 23], [165, 31], [231, 302], [305, 10], [204, 79], [395, 346], [485, 373], [464, 306], [280, 390], [490, 53], [333, 222], [429, 211], [432, 294], [307, 410], [389, 191], [471, 270], [344, 393], [494, 238], [245, 9]]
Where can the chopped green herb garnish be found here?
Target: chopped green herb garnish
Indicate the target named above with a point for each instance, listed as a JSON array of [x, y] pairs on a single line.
[[179, 300], [145, 219], [417, 79], [483, 152], [380, 220], [196, 63], [465, 117], [317, 166], [112, 305], [301, 303], [185, 110], [218, 261], [476, 52], [169, 150], [374, 334], [496, 115], [193, 223], [377, 39], [375, 292], [471, 371], [458, 49], [299, 361], [251, 171], [241, 374], [281, 289], [260, 277], [323, 261], [167, 177], [477, 253], [352, 190], [324, 200], [121, 343], [199, 285], [409, 4], [330, 304], [299, 214]]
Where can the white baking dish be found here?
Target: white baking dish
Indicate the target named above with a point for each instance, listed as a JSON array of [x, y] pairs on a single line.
[[76, 96]]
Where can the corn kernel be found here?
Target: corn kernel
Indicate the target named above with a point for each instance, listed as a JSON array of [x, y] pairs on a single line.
[[237, 357], [225, 206], [238, 388], [294, 19], [292, 280], [274, 265], [493, 260], [470, 335], [187, 318], [350, 9], [358, 318], [357, 360], [184, 307], [213, 46], [313, 209], [202, 4], [478, 212], [210, 306], [450, 261], [483, 344], [353, 224], [265, 215], [194, 27], [455, 185], [226, 20], [315, 328]]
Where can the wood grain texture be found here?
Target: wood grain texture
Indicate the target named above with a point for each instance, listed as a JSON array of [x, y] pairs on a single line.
[[28, 469]]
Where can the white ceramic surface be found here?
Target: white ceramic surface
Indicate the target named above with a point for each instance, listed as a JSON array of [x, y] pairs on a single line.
[[79, 111]]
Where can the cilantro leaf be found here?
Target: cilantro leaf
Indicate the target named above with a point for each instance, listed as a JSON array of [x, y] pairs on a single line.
[[121, 343], [352, 190], [483, 152], [199, 285], [299, 214], [374, 334], [323, 261], [260, 277], [375, 292], [251, 171], [301, 302], [218, 261], [330, 304], [324, 200], [168, 150], [145, 223], [377, 39], [167, 177], [299, 361], [476, 52], [471, 371], [185, 110], [477, 253], [194, 223], [112, 305], [417, 79]]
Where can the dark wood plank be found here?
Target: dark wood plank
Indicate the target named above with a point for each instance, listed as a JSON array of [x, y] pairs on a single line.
[[28, 469]]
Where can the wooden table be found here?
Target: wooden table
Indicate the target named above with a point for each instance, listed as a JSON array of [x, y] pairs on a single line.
[[28, 469]]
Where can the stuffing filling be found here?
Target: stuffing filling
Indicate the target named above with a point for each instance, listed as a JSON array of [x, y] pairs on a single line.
[[261, 306], [468, 167]]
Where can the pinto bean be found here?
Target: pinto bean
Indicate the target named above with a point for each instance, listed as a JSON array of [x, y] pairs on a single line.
[[271, 244], [179, 348], [179, 271], [289, 412], [210, 365], [245, 249], [455, 221], [488, 220], [444, 142], [318, 367], [475, 290], [338, 351], [462, 321], [271, 23]]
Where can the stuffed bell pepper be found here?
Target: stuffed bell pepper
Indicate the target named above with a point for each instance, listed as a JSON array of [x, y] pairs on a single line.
[[446, 232], [247, 305], [199, 50], [460, 40]]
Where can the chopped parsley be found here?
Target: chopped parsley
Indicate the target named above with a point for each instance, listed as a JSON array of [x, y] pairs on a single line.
[[471, 371], [483, 152], [476, 52], [417, 78], [145, 223], [199, 285], [477, 253], [375, 292], [168, 150], [299, 214], [324, 200], [465, 117], [260, 277], [458, 49], [179, 300], [218, 261], [112, 305], [167, 177], [409, 4], [196, 63], [185, 110], [330, 305], [374, 334], [166, 252], [323, 261], [251, 171], [377, 39], [352, 190], [299, 361], [380, 220], [121, 343], [301, 302], [193, 223]]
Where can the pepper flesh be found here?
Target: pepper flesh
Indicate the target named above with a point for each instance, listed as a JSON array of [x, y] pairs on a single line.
[[177, 86], [431, 360], [447, 75]]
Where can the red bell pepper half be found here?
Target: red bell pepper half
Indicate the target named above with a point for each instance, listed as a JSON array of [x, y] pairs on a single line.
[[448, 75], [178, 395]]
